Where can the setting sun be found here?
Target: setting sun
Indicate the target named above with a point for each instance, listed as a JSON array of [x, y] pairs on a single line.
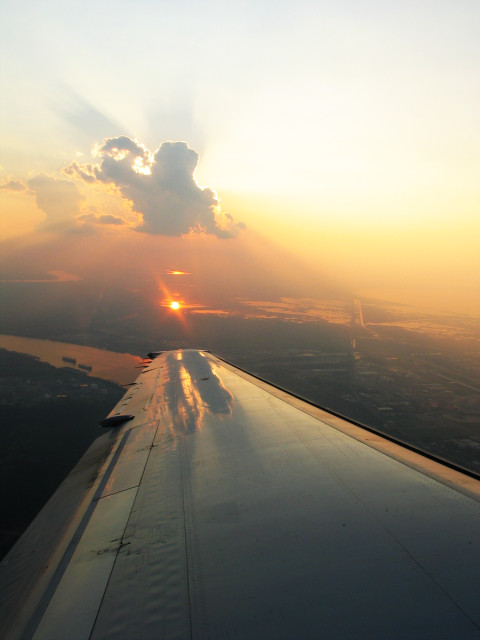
[[175, 305]]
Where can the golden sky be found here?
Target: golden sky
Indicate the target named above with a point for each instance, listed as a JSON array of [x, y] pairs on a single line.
[[345, 134]]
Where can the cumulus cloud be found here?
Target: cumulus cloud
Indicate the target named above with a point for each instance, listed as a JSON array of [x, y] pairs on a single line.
[[59, 199], [161, 186], [106, 218], [12, 185]]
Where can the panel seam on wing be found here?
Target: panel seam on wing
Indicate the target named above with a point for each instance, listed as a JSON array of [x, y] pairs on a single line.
[[72, 546], [122, 543]]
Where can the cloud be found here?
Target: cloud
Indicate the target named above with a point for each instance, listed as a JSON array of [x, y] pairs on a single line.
[[12, 185], [161, 186], [59, 199], [85, 172], [106, 218]]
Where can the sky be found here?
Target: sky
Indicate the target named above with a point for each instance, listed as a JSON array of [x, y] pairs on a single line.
[[340, 136]]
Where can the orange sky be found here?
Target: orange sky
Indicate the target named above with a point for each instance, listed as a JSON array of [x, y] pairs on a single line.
[[343, 137]]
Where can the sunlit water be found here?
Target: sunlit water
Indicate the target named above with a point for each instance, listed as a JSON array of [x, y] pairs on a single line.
[[99, 363]]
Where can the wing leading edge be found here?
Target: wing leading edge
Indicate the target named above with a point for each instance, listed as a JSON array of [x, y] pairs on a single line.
[[227, 508]]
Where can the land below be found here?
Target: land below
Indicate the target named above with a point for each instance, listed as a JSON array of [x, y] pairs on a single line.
[[407, 373]]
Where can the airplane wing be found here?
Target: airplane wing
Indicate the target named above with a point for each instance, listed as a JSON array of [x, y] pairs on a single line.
[[218, 506]]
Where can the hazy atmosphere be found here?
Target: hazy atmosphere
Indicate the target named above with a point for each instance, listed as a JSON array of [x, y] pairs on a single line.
[[345, 132], [294, 186]]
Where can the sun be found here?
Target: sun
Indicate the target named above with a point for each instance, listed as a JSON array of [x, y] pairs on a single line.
[[175, 305]]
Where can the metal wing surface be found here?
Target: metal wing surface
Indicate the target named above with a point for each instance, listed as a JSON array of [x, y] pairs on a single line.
[[226, 508]]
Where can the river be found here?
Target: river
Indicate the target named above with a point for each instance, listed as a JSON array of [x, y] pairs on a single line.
[[98, 363]]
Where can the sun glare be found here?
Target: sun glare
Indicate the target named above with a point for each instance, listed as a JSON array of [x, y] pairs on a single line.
[[175, 305], [171, 272], [139, 166]]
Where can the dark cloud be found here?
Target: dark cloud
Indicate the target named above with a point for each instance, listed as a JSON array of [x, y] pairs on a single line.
[[12, 185], [84, 171], [59, 199], [106, 218], [161, 186]]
